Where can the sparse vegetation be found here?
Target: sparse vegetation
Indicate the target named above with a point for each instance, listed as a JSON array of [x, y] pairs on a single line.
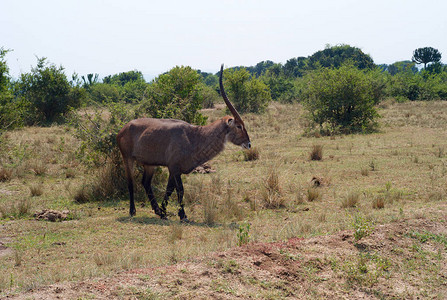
[[102, 239]]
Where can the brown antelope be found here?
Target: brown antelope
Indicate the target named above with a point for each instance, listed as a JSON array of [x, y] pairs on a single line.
[[177, 145]]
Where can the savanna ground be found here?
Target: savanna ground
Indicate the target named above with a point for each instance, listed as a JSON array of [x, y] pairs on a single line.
[[374, 227]]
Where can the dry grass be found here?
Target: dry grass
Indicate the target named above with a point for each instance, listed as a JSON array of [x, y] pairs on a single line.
[[271, 193], [251, 154], [378, 202], [316, 153], [313, 194], [351, 200], [5, 174], [36, 190], [104, 240]]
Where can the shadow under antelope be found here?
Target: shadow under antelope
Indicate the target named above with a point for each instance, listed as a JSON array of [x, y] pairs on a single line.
[[177, 145]]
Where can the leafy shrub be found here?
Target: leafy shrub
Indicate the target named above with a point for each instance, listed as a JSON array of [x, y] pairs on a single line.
[[49, 93], [176, 94], [247, 94], [97, 130], [210, 96], [10, 110], [342, 99], [104, 93]]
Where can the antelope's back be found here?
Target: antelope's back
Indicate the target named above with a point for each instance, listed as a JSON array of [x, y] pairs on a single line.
[[153, 141]]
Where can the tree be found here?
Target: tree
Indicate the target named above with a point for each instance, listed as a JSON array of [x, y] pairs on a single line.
[[336, 56], [248, 94], [342, 98], [10, 112], [122, 78], [295, 67], [48, 92], [176, 94], [426, 55]]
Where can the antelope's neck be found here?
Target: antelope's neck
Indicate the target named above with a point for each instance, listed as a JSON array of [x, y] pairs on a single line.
[[210, 141]]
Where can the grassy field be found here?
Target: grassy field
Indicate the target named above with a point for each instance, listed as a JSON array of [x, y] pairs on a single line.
[[357, 183]]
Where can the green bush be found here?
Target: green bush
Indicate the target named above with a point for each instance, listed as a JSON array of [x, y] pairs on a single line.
[[342, 99], [105, 93], [97, 129], [247, 94], [210, 96], [176, 94], [10, 110], [49, 94]]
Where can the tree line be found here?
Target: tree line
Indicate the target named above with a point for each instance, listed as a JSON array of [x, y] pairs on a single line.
[[339, 85]]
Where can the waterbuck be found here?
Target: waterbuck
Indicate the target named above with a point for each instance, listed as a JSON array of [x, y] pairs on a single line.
[[177, 145]]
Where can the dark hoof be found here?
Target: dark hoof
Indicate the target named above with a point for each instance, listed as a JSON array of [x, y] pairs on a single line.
[[132, 213], [185, 220]]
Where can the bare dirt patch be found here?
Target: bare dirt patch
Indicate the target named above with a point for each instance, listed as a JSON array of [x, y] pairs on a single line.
[[396, 260]]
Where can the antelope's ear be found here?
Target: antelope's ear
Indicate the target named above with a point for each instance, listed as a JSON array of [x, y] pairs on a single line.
[[230, 122]]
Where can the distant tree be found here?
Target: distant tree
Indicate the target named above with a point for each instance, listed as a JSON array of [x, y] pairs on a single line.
[[124, 77], [105, 93], [426, 55], [260, 67], [336, 56], [295, 67], [91, 79], [280, 85], [402, 66], [247, 93], [209, 79]]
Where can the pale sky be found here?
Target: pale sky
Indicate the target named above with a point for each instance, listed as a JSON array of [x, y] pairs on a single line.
[[108, 37]]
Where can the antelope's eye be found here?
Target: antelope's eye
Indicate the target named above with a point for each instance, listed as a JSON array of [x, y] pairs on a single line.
[[239, 126]]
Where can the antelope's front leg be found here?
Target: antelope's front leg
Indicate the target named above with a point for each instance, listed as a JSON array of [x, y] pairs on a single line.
[[179, 189]]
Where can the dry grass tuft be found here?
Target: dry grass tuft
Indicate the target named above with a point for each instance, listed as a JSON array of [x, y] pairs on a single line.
[[251, 154], [36, 190], [351, 200], [5, 174], [313, 194], [316, 153], [21, 208], [70, 173], [38, 167], [210, 209], [271, 193], [104, 259], [231, 207], [378, 202], [364, 172], [176, 233]]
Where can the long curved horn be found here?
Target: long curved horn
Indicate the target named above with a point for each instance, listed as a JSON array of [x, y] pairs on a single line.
[[224, 96]]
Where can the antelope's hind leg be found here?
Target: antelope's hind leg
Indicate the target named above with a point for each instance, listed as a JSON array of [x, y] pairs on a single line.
[[169, 189], [147, 178]]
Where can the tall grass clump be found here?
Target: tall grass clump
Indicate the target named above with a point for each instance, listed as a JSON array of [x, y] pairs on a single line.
[[316, 153], [350, 200], [251, 154], [210, 209], [271, 192], [5, 174]]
